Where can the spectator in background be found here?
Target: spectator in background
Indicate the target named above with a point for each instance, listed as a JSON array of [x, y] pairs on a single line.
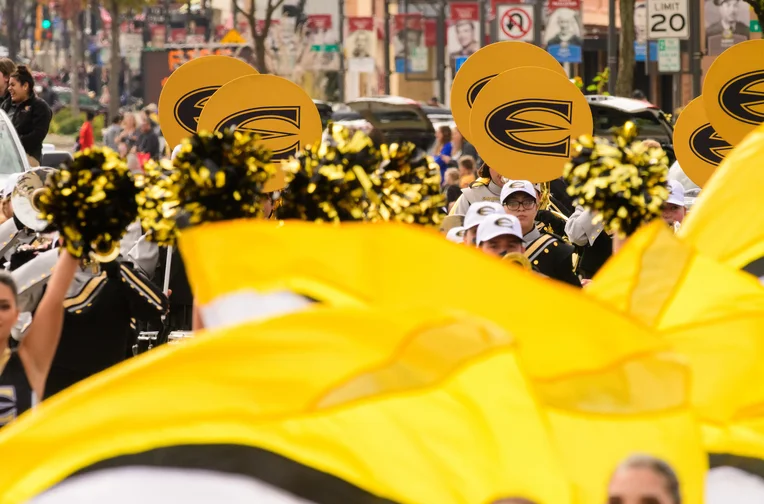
[[111, 133], [148, 143], [452, 194], [7, 67], [451, 177], [461, 147], [86, 140], [29, 114], [48, 94], [123, 150], [105, 96], [442, 149], [466, 171], [129, 133]]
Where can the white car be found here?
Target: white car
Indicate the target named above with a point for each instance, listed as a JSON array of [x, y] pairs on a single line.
[[13, 158]]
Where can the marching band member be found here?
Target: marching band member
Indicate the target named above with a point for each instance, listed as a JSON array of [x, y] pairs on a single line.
[[674, 208], [595, 247], [456, 234], [486, 188], [99, 307], [499, 235], [547, 252], [24, 371], [107, 291], [475, 214]]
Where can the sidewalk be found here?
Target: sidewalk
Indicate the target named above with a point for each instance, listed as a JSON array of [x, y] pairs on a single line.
[[62, 142]]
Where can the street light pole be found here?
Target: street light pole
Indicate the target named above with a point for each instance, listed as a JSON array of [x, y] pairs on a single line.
[[695, 54], [612, 48]]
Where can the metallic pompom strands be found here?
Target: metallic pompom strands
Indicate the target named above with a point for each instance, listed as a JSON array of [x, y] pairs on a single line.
[[623, 183], [91, 202], [347, 178], [331, 181], [215, 177], [409, 187], [158, 202]]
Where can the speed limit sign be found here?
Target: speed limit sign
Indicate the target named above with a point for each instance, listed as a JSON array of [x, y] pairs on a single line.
[[667, 19]]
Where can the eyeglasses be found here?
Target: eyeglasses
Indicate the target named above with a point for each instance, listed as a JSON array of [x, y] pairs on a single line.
[[516, 205]]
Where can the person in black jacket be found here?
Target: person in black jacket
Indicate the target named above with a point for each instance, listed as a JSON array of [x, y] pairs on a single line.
[[29, 114], [7, 67]]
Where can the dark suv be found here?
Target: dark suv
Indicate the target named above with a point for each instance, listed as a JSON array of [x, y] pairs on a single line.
[[397, 119]]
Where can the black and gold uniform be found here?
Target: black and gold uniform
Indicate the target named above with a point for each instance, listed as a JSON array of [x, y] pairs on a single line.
[[483, 189], [100, 305], [16, 394], [550, 256]]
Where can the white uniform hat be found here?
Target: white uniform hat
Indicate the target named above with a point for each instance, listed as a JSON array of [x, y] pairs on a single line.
[[676, 194], [514, 186], [10, 184], [497, 225], [175, 152], [478, 211], [456, 234]]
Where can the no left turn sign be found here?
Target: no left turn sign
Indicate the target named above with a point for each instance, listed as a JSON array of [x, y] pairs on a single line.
[[515, 22]]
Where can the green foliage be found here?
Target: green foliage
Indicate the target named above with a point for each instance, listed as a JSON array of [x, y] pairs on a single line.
[[599, 83], [758, 9], [64, 123]]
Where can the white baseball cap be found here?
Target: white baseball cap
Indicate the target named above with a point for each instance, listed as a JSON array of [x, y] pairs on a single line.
[[514, 186], [478, 211], [175, 152], [676, 193], [456, 234], [497, 225], [10, 184]]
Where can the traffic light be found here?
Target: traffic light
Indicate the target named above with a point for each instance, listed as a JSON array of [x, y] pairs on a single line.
[[46, 25]]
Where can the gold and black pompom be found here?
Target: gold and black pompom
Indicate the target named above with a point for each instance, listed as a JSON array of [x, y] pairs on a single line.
[[623, 183], [331, 181], [158, 201], [408, 183], [91, 201], [215, 177]]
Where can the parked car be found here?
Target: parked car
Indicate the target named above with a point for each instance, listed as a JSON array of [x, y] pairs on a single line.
[[324, 110], [613, 111], [13, 159], [87, 104], [397, 119]]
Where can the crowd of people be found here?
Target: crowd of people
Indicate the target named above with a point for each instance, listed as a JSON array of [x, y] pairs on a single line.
[[136, 136], [566, 242]]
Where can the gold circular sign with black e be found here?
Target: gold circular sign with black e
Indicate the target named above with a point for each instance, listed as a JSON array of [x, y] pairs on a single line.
[[484, 65], [278, 111], [187, 90], [523, 121], [733, 91], [699, 148]]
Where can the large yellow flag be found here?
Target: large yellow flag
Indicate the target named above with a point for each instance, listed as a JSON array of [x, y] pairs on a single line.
[[712, 314], [727, 223], [329, 405], [606, 387]]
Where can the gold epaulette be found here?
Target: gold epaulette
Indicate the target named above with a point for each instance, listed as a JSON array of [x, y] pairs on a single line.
[[480, 182]]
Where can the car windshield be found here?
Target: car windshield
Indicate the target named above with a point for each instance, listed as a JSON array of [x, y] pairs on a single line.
[[649, 123], [10, 153]]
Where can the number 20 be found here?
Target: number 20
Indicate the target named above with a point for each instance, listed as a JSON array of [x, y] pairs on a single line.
[[676, 22]]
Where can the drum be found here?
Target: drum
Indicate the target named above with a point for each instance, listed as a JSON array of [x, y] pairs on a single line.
[[146, 341], [177, 337]]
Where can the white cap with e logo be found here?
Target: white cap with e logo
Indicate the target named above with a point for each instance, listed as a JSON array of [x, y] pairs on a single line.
[[498, 225]]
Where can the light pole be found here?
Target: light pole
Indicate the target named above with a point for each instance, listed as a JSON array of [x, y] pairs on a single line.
[[612, 48]]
